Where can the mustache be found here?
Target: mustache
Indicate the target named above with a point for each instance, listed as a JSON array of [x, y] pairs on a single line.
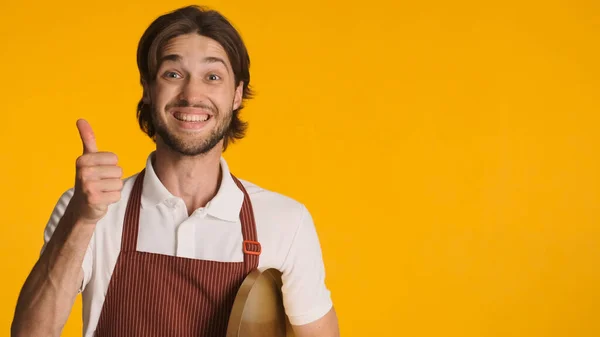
[[186, 104]]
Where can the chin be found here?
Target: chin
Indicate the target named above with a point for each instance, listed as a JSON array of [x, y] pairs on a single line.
[[191, 146]]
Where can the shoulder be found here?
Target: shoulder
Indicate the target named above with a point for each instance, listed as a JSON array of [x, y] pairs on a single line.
[[279, 221], [273, 203], [128, 183]]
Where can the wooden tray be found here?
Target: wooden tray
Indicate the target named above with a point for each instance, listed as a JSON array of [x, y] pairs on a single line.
[[258, 308]]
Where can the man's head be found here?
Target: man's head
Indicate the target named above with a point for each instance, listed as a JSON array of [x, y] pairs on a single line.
[[194, 69]]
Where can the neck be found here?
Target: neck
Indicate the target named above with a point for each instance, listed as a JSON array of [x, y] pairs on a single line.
[[194, 179]]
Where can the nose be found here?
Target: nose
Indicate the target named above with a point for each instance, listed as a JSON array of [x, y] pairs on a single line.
[[193, 91]]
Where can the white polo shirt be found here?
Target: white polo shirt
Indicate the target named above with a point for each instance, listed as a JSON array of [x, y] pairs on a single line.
[[284, 227]]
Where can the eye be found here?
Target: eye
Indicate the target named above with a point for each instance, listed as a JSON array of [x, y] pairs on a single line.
[[172, 74], [213, 77]]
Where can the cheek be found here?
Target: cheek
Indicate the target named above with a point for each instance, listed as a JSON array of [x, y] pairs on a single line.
[[164, 94], [227, 96]]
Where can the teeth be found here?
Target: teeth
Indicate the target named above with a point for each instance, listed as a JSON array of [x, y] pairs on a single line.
[[190, 118]]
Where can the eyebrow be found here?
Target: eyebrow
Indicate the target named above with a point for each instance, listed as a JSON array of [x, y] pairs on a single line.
[[208, 59], [170, 57]]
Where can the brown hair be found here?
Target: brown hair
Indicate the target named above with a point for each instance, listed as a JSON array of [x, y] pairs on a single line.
[[186, 20]]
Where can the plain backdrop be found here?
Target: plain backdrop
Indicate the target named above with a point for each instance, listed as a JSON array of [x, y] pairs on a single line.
[[447, 150]]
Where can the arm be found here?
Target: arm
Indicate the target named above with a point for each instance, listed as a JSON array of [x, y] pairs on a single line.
[[326, 326], [50, 290], [48, 294], [307, 300]]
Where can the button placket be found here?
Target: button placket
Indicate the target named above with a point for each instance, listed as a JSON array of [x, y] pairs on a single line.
[[185, 233]]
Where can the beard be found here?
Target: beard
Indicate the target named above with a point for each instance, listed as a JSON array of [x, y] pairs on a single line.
[[192, 147]]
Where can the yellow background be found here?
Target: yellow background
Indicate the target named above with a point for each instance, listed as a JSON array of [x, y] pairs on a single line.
[[448, 150]]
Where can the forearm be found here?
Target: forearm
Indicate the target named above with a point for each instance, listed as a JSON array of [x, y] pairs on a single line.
[[50, 290]]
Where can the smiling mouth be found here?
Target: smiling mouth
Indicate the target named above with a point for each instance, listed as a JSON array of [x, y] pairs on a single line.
[[193, 118]]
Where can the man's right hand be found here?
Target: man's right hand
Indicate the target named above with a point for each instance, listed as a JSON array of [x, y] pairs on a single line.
[[98, 179]]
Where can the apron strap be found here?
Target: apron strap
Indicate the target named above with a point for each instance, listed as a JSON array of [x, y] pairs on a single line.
[[250, 246], [131, 223]]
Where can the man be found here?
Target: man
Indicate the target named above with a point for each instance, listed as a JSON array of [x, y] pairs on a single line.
[[163, 253]]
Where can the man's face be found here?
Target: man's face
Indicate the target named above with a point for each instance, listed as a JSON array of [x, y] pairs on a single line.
[[193, 95]]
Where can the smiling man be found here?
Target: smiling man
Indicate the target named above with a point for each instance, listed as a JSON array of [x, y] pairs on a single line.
[[164, 252]]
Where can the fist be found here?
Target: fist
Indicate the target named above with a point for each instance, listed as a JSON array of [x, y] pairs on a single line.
[[98, 179]]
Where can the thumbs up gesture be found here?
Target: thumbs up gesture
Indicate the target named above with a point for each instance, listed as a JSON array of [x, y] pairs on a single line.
[[98, 179]]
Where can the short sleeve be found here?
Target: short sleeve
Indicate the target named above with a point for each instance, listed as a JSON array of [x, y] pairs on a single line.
[[57, 214], [305, 294]]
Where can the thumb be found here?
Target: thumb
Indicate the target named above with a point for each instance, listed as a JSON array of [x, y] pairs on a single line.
[[87, 136]]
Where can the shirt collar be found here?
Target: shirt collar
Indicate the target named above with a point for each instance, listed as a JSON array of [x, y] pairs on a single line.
[[225, 205]]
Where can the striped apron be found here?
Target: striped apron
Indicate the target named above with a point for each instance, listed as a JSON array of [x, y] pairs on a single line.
[[159, 295]]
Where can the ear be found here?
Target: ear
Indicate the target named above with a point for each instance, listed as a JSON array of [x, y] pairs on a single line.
[[239, 93]]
